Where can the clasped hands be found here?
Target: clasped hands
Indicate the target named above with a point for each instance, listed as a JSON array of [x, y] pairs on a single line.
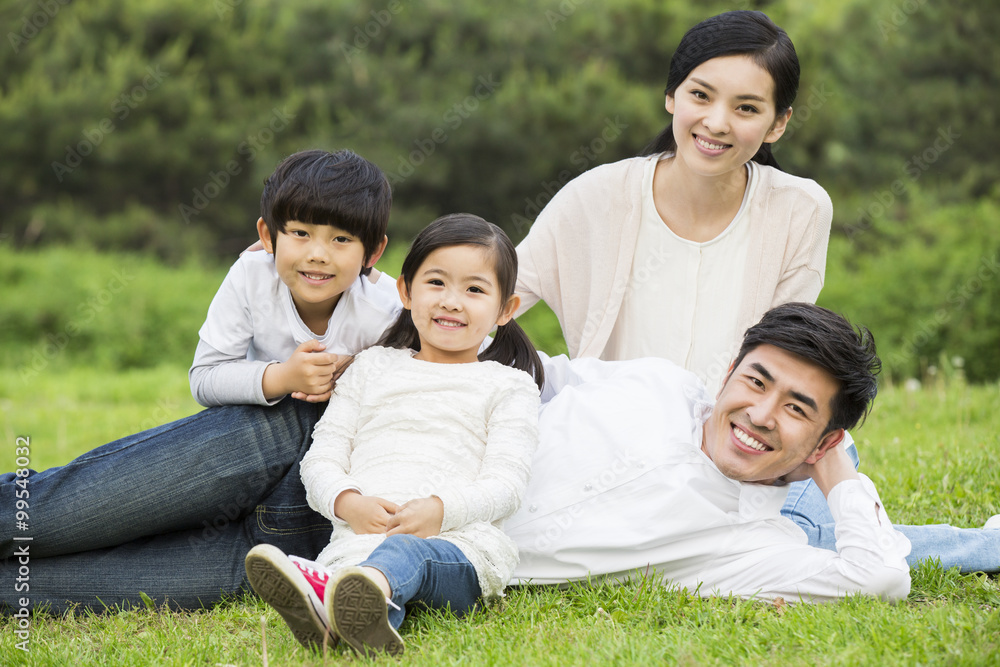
[[373, 515]]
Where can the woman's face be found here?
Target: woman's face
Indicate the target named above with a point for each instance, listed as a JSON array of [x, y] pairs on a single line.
[[723, 111]]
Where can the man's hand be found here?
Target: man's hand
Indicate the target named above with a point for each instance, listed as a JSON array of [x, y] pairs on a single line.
[[364, 514], [421, 517], [307, 375], [832, 468]]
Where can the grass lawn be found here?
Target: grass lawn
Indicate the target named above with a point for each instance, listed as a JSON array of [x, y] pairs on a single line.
[[931, 452]]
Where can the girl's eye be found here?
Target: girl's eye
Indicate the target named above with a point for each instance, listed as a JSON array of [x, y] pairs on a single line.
[[435, 281], [477, 290]]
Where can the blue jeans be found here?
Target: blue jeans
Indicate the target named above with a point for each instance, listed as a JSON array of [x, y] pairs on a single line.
[[169, 512], [969, 549], [433, 572]]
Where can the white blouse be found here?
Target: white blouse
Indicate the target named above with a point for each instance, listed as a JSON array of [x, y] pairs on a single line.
[[400, 428], [683, 298]]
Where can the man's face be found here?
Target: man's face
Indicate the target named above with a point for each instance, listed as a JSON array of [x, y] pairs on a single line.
[[770, 416]]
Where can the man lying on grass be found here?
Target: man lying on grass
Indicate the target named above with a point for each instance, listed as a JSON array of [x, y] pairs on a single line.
[[639, 473]]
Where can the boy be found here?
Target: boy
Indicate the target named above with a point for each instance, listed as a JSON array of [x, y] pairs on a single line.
[[280, 319], [170, 512]]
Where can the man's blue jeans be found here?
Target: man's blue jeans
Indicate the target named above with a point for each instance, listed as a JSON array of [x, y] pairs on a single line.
[[433, 572], [170, 512], [969, 549]]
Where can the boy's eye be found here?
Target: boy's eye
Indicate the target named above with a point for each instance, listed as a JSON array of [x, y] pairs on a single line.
[[342, 239], [301, 233]]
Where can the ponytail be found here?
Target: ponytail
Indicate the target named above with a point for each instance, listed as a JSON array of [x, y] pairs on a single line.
[[512, 347]]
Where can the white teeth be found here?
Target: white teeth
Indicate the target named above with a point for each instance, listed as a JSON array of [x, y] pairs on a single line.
[[714, 147], [752, 443], [316, 276], [449, 323]]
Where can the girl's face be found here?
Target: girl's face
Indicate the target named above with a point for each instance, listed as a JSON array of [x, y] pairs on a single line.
[[723, 111], [455, 300]]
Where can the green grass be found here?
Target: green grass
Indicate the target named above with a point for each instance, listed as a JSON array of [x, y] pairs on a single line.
[[932, 453]]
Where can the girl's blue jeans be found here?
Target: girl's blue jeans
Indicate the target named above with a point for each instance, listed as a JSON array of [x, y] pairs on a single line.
[[433, 572]]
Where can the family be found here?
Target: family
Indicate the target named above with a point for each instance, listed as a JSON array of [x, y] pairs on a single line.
[[370, 443]]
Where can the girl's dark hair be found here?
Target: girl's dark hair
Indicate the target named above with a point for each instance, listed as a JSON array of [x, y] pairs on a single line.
[[832, 343], [511, 345], [736, 33]]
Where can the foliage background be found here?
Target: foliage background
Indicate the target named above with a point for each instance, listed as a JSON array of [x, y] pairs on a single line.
[[145, 129]]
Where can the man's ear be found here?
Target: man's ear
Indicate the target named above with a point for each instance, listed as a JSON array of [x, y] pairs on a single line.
[[404, 294], [507, 312], [265, 236], [377, 255], [826, 443]]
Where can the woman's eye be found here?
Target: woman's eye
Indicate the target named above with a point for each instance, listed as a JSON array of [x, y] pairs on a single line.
[[699, 94], [747, 108]]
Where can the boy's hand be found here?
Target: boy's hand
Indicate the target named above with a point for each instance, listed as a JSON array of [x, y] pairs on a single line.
[[364, 514], [306, 375], [421, 517]]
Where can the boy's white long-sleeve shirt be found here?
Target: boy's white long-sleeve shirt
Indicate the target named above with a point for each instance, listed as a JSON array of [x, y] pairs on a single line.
[[252, 322], [620, 487]]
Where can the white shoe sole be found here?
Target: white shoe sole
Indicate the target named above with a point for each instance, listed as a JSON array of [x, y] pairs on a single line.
[[276, 579], [359, 614]]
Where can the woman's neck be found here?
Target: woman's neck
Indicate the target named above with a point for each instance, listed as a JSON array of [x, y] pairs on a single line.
[[695, 207]]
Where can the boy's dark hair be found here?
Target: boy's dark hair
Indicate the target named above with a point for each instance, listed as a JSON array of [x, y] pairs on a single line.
[[511, 345], [340, 189], [832, 343]]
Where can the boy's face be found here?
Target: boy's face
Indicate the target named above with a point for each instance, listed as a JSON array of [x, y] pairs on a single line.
[[770, 416], [317, 263]]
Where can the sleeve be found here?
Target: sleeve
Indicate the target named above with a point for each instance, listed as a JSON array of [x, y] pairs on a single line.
[[222, 379], [220, 373], [531, 261], [512, 436], [802, 276], [870, 557], [325, 468]]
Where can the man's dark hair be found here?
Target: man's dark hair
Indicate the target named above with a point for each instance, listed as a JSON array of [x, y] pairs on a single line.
[[832, 343], [340, 189]]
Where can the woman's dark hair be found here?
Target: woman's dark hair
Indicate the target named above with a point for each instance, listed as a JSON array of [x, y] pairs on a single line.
[[736, 33], [340, 189], [511, 345], [828, 340]]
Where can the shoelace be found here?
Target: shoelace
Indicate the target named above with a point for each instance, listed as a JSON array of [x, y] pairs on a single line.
[[320, 573]]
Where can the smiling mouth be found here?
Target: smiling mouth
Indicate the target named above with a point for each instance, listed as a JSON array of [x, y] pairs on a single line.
[[709, 145], [748, 440], [451, 324], [316, 276]]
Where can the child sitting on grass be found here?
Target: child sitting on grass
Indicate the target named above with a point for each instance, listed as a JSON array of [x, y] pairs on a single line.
[[424, 449], [281, 318]]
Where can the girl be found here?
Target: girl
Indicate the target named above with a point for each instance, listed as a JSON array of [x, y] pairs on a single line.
[[423, 451]]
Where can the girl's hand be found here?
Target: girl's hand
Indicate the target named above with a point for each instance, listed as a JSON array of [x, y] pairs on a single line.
[[421, 517], [364, 514]]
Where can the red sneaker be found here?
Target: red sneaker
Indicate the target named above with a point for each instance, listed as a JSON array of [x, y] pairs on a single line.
[[294, 587]]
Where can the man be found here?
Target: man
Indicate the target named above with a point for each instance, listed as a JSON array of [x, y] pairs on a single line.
[[638, 473]]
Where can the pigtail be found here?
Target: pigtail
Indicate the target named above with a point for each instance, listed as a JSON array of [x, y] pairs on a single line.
[[401, 334], [512, 347]]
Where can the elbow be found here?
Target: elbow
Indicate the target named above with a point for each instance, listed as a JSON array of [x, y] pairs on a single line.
[[890, 584]]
